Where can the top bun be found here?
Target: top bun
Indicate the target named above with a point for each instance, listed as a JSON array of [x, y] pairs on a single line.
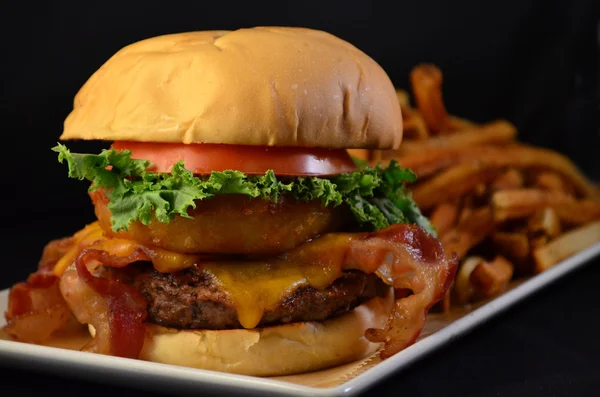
[[271, 86]]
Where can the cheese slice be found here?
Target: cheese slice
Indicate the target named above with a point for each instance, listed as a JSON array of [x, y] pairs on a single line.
[[253, 287], [85, 237]]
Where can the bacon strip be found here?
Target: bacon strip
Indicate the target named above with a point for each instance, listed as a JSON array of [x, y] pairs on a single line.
[[405, 257], [53, 251], [36, 307], [116, 310], [416, 261]]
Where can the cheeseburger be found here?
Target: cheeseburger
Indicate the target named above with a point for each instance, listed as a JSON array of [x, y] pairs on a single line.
[[234, 231]]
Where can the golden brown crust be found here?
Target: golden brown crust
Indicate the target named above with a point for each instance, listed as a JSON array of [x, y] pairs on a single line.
[[272, 86]]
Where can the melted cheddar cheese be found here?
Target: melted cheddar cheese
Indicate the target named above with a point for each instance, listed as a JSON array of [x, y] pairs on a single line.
[[252, 287], [85, 237]]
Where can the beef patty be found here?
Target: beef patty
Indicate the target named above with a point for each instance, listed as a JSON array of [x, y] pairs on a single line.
[[192, 299]]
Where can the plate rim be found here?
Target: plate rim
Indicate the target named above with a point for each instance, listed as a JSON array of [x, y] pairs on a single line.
[[190, 377]]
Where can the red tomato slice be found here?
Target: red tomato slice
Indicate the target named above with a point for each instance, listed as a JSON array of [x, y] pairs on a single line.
[[252, 160]]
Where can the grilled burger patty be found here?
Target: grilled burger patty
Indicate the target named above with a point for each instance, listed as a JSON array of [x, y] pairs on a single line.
[[192, 299]]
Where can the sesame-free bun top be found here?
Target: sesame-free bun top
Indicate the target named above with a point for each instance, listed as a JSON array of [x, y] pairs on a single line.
[[274, 86]]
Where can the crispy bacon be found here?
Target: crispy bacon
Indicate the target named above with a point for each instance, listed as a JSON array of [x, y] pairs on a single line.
[[36, 307], [116, 310], [53, 251], [405, 257], [417, 262]]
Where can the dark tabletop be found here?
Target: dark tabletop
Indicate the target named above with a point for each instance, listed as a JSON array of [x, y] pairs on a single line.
[[547, 345]]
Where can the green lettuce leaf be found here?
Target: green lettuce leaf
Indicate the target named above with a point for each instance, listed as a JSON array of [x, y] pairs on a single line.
[[377, 197]]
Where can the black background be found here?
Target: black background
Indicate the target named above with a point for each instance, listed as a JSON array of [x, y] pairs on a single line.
[[532, 62]]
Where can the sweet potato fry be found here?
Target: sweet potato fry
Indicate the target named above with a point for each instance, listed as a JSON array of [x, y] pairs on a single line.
[[451, 183], [491, 278], [426, 82], [522, 203], [497, 132], [444, 217], [469, 232], [566, 245], [515, 246]]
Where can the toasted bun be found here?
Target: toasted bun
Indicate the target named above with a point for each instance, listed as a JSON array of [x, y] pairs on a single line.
[[272, 351], [271, 86]]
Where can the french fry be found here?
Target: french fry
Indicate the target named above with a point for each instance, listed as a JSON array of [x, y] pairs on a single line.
[[469, 232], [496, 132], [480, 190], [428, 162], [414, 125], [566, 245], [362, 154], [550, 181], [511, 179], [447, 301], [451, 183], [465, 212], [466, 208], [403, 98], [490, 196], [457, 123], [426, 82], [522, 203], [444, 217], [545, 222], [514, 246], [463, 289], [537, 242], [375, 157], [513, 156], [491, 278]]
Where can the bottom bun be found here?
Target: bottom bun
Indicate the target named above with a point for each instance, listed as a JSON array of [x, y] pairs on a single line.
[[272, 351]]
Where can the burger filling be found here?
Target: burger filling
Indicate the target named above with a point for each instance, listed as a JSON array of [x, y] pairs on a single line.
[[242, 248], [195, 299], [232, 224]]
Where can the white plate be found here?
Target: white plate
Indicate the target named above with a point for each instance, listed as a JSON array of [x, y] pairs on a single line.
[[177, 379]]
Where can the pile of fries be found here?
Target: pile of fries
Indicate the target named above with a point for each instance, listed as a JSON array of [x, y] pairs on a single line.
[[508, 210]]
